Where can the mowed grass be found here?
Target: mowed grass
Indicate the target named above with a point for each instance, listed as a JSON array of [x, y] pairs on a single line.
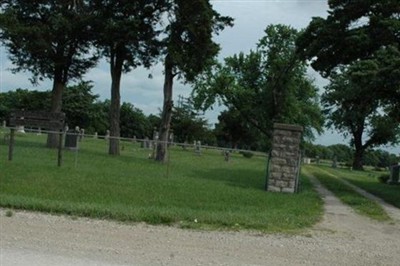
[[362, 205], [368, 180], [190, 191]]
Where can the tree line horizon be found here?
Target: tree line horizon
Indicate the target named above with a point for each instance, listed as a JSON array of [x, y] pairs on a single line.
[[356, 47], [85, 110]]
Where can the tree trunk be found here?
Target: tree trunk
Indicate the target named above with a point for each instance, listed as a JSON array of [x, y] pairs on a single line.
[[166, 113], [56, 105], [116, 72], [359, 152]]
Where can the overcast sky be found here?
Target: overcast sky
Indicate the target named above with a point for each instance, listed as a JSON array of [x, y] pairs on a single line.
[[251, 18]]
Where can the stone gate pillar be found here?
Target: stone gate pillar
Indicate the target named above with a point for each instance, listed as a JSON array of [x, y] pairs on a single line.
[[284, 163]]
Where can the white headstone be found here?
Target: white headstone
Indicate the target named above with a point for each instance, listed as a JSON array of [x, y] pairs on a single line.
[[95, 136], [20, 129], [107, 135], [198, 147], [4, 123], [81, 134]]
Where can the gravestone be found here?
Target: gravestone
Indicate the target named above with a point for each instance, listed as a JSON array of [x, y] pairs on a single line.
[[171, 137], [39, 131], [394, 174], [154, 144], [198, 147], [71, 139], [81, 134], [227, 155], [155, 134], [96, 135], [107, 136], [4, 123], [147, 143], [334, 162], [284, 163], [20, 129]]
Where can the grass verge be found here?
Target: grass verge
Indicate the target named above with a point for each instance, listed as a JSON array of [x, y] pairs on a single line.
[[348, 195], [190, 191], [368, 180]]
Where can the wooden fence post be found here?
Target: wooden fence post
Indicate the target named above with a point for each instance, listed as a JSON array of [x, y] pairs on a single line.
[[60, 140], [11, 144]]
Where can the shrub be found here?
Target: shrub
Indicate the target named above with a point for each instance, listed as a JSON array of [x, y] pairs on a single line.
[[246, 154], [383, 178]]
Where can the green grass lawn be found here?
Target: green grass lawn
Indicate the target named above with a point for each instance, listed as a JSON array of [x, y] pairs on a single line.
[[190, 191], [330, 178], [368, 180]]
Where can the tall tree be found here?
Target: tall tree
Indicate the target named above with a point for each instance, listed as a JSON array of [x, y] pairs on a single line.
[[189, 48], [359, 39], [50, 39], [265, 86], [133, 122], [187, 125], [352, 31], [234, 132], [353, 107], [79, 105], [23, 99], [126, 35]]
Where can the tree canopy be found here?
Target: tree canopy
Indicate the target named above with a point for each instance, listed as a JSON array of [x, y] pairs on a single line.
[[353, 107], [50, 39], [265, 86], [232, 131], [358, 47], [353, 30]]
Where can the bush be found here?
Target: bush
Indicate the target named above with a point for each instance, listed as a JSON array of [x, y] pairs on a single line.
[[246, 154], [383, 178]]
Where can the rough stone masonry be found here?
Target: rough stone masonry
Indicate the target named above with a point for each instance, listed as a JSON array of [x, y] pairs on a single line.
[[284, 164]]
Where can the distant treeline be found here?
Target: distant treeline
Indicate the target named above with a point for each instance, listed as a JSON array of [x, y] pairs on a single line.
[[344, 155], [84, 109]]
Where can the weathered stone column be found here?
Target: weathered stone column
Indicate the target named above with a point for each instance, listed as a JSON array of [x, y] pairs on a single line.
[[284, 164]]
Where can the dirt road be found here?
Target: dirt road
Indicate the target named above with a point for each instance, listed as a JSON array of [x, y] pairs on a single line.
[[342, 238]]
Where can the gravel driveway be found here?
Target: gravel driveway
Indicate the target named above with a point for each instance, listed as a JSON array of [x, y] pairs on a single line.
[[342, 238]]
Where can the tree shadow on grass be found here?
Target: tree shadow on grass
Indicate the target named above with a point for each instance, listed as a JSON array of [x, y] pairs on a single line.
[[241, 178]]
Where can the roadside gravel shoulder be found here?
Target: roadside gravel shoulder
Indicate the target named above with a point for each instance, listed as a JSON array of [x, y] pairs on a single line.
[[341, 238]]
